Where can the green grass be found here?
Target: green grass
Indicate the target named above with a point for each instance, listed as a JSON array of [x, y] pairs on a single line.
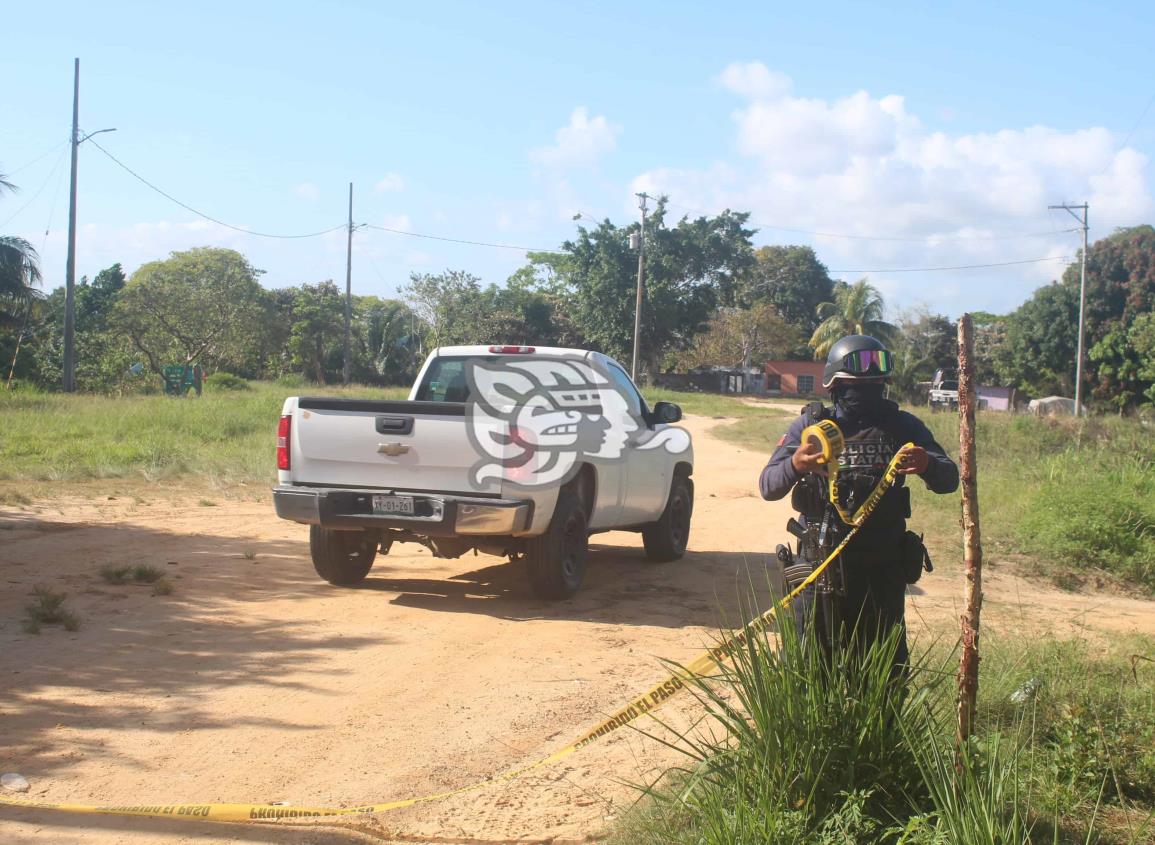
[[718, 405], [796, 749], [222, 438], [1076, 497], [47, 608], [141, 573]]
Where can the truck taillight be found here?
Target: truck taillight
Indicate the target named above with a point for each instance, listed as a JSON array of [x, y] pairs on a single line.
[[283, 430], [512, 350]]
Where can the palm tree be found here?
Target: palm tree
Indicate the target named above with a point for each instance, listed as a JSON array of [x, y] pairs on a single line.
[[856, 309], [19, 273]]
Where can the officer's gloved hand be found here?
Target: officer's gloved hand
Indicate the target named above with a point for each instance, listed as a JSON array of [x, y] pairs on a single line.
[[808, 458], [914, 461]]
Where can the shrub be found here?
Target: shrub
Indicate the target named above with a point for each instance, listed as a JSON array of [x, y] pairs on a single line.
[[801, 749], [47, 608], [226, 381]]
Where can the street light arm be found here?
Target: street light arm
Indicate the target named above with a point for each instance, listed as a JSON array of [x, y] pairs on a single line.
[[97, 132]]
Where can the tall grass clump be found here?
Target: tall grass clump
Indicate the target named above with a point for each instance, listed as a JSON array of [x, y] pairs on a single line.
[[796, 746]]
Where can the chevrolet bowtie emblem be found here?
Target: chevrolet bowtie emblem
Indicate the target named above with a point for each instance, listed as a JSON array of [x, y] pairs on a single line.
[[392, 449]]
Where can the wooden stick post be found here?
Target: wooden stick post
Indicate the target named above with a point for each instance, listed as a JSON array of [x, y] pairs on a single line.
[[968, 673]]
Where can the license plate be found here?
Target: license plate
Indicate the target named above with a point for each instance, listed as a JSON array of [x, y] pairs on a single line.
[[393, 504]]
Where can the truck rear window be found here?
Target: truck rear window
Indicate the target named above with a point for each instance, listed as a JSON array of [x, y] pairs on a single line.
[[445, 380]]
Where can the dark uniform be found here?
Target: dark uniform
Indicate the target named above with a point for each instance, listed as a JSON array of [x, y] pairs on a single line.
[[874, 576]]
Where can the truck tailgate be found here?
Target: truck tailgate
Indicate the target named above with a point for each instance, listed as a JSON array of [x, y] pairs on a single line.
[[403, 445]]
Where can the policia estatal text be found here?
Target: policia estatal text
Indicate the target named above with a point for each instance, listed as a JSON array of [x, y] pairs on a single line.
[[864, 591]]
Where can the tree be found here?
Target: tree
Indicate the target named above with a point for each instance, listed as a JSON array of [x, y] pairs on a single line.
[[316, 339], [855, 309], [203, 305], [19, 274], [1142, 339], [794, 281], [990, 334], [1037, 355], [688, 269], [449, 304], [387, 340], [1120, 288], [924, 343], [741, 337]]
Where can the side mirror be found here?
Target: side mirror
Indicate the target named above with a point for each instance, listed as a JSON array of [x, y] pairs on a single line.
[[666, 413]]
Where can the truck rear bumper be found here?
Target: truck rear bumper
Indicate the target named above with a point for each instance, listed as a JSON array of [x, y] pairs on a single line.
[[435, 514]]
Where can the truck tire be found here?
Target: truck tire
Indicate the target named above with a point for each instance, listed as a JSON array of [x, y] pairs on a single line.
[[556, 560], [343, 558], [666, 539]]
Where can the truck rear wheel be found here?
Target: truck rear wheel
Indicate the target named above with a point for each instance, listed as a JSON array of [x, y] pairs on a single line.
[[343, 558], [666, 539], [556, 560]]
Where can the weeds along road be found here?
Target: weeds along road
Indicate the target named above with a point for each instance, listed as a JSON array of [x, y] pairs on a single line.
[[257, 682]]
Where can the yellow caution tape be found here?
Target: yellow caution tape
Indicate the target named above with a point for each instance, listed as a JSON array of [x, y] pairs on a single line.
[[646, 703], [829, 437]]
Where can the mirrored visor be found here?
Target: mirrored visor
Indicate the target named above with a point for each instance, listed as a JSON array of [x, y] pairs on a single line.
[[868, 361]]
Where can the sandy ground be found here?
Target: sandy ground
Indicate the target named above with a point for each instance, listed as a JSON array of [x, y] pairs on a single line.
[[256, 682]]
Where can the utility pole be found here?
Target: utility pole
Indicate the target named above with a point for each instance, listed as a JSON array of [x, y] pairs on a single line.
[[68, 380], [1071, 209], [348, 287], [69, 376], [642, 197]]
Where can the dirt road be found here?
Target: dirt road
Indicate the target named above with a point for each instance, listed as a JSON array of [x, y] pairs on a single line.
[[256, 682]]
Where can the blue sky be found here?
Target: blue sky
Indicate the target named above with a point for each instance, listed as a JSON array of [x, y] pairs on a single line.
[[935, 134]]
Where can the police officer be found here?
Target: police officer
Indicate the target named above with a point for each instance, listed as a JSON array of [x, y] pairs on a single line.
[[865, 592]]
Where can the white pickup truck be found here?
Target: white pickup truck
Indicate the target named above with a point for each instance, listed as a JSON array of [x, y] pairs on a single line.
[[515, 451], [943, 394]]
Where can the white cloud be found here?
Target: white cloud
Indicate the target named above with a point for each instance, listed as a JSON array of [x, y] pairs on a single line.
[[865, 166], [397, 221], [391, 182], [755, 80], [307, 191], [580, 143]]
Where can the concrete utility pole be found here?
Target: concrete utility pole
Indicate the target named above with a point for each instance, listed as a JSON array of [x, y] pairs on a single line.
[[348, 288], [68, 380], [1070, 209], [642, 197]]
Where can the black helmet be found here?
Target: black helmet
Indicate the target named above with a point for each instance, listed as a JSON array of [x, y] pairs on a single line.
[[857, 356]]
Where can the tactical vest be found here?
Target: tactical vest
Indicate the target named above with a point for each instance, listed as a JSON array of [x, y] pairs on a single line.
[[860, 467]]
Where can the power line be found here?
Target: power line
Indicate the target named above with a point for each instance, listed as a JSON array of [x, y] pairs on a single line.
[[459, 240], [39, 190], [52, 209], [40, 157], [1127, 140], [895, 238], [211, 219], [960, 266]]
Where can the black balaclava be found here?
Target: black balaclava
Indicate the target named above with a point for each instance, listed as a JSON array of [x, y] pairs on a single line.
[[859, 399]]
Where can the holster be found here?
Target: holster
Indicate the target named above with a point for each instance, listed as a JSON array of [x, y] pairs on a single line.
[[915, 557]]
